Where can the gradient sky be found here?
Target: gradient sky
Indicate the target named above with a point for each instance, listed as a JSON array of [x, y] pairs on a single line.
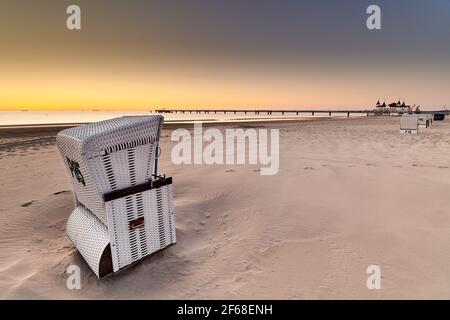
[[231, 54]]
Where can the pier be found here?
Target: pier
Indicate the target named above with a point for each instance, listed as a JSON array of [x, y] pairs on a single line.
[[269, 112]]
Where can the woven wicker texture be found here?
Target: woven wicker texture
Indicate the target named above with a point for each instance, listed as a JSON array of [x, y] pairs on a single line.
[[109, 155], [130, 245], [89, 235]]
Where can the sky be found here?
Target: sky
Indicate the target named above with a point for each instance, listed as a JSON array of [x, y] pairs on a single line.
[[136, 55]]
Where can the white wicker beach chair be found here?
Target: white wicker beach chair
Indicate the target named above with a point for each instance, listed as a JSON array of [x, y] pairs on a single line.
[[423, 120], [409, 123], [124, 210]]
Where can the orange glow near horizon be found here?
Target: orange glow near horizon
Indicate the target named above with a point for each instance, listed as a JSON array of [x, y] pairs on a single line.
[[114, 89]]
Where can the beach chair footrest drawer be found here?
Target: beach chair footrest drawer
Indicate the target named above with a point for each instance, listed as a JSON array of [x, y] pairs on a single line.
[[90, 236]]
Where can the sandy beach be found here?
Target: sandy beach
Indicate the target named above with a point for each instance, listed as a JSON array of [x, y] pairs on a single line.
[[349, 194]]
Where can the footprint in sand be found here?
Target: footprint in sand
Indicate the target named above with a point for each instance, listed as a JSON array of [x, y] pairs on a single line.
[[230, 171], [308, 168], [61, 192], [27, 204]]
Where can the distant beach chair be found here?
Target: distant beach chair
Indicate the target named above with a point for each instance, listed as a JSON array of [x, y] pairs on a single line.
[[123, 208], [423, 120], [409, 123]]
